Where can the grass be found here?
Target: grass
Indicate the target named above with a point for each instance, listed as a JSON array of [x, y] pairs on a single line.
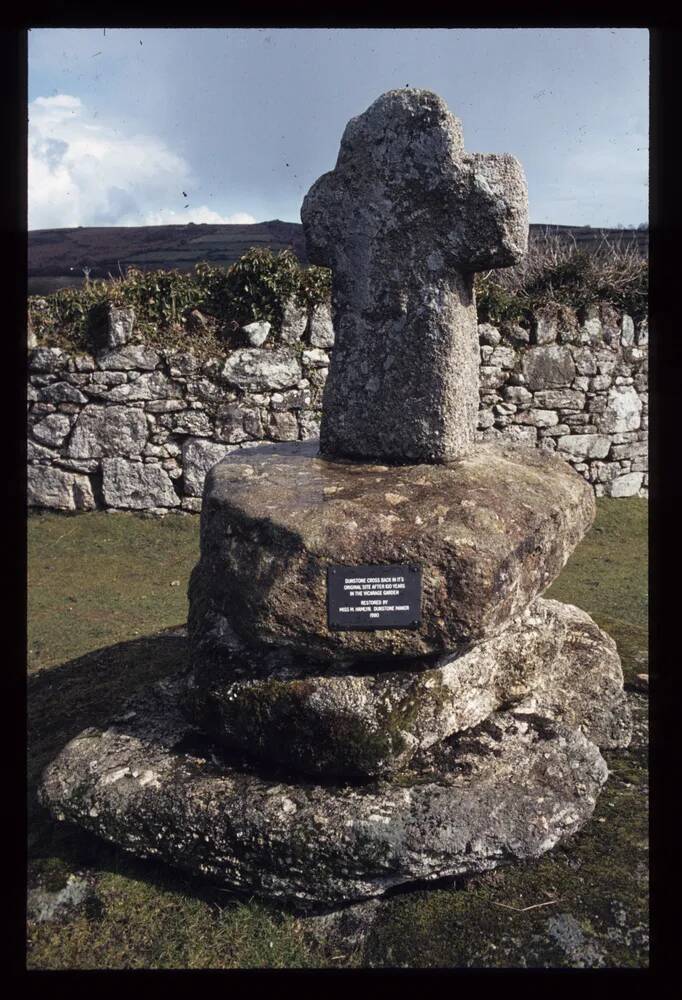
[[607, 576], [98, 579], [100, 598]]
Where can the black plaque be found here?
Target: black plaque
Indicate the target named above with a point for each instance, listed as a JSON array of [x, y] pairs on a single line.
[[374, 597]]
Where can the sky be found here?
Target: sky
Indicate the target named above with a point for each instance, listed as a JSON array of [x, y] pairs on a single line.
[[157, 126]]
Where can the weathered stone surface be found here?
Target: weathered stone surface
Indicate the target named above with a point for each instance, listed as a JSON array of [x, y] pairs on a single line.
[[259, 370], [491, 532], [294, 322], [149, 386], [315, 358], [545, 327], [198, 456], [283, 426], [510, 789], [562, 399], [59, 490], [47, 359], [62, 392], [53, 429], [193, 422], [548, 367], [108, 431], [489, 335], [257, 333], [120, 326], [623, 410], [236, 422], [625, 486], [39, 454], [578, 447], [627, 336], [135, 486], [404, 220], [322, 327], [540, 418], [339, 719], [129, 358]]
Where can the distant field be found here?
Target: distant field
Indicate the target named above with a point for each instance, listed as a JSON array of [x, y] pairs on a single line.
[[56, 257]]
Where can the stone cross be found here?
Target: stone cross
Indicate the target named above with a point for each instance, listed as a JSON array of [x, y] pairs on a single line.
[[404, 221]]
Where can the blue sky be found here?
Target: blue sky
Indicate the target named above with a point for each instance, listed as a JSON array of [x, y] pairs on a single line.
[[123, 121]]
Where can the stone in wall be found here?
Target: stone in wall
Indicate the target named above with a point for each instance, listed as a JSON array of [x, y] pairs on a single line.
[[544, 326], [560, 399], [257, 333], [294, 323], [321, 327], [120, 326], [578, 447], [623, 410], [198, 456], [149, 386], [134, 486], [53, 430], [194, 423], [133, 357], [58, 490], [283, 426], [236, 422], [62, 392], [628, 485], [548, 367], [47, 359], [108, 431], [627, 336], [261, 371]]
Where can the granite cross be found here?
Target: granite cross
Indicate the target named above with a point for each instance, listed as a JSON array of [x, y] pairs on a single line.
[[404, 221]]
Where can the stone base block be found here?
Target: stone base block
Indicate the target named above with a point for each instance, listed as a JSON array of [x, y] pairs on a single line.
[[509, 789], [490, 532], [352, 720]]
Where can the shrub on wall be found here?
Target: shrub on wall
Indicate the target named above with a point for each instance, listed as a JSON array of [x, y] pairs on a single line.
[[558, 271], [256, 287], [260, 283]]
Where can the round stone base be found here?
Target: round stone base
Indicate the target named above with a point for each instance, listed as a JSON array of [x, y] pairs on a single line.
[[552, 660], [509, 789]]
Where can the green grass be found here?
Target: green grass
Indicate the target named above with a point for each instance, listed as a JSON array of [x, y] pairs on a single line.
[[97, 579], [100, 596], [607, 577]]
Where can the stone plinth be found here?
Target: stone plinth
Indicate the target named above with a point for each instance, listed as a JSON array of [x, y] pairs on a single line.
[[334, 718], [508, 790], [490, 532]]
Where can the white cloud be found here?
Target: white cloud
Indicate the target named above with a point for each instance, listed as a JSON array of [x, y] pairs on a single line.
[[82, 172]]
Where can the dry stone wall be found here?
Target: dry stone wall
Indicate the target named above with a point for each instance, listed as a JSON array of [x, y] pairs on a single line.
[[574, 384], [137, 428]]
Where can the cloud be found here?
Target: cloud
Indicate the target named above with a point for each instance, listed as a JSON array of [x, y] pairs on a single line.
[[82, 172]]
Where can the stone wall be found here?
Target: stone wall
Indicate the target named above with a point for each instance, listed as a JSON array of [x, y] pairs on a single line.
[[136, 428], [574, 384]]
